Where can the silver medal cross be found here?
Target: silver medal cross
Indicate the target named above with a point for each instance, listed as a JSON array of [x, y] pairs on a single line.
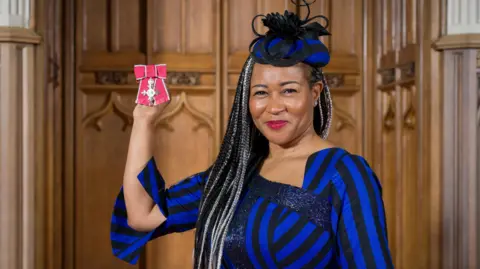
[[151, 92]]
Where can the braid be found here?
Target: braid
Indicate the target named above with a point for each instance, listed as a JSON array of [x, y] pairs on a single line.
[[226, 180], [322, 118]]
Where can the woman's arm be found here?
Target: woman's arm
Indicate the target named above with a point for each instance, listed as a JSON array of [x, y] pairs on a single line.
[[143, 213], [362, 239], [144, 208], [178, 206]]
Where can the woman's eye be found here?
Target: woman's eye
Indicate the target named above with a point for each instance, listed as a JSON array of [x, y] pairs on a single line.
[[289, 91], [260, 93]]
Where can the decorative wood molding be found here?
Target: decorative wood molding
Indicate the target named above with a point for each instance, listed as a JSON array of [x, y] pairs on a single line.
[[128, 88], [388, 76], [112, 104], [111, 77], [389, 116], [19, 35], [410, 114], [18, 176], [335, 80], [344, 119], [407, 71], [183, 78], [181, 102], [121, 78], [459, 41], [460, 160], [409, 118]]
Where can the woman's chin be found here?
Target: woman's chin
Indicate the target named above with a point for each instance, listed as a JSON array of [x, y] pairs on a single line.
[[280, 138]]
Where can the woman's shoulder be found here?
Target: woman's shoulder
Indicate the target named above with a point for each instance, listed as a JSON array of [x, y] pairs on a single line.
[[340, 166]]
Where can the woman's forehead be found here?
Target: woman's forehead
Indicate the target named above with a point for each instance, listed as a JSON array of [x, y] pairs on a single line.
[[272, 74]]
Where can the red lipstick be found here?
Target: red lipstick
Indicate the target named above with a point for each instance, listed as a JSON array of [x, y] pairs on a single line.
[[276, 124]]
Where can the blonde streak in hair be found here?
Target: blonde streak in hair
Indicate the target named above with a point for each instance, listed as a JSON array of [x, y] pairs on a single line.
[[217, 227], [245, 155], [328, 103], [209, 218], [207, 222]]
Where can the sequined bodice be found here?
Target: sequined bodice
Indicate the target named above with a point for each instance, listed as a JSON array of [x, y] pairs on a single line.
[[279, 226]]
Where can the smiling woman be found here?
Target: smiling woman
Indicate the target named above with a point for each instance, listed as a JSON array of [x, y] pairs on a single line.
[[279, 195]]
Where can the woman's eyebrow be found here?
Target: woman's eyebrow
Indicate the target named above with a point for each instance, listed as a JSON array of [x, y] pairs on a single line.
[[260, 86], [281, 84], [289, 82]]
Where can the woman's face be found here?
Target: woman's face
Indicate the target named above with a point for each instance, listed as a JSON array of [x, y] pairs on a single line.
[[281, 102]]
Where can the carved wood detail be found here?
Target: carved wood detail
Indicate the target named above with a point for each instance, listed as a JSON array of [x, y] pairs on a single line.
[[181, 102], [111, 77], [407, 70], [335, 80], [388, 76], [344, 119], [409, 116], [409, 119], [389, 116], [183, 78], [114, 105], [121, 78]]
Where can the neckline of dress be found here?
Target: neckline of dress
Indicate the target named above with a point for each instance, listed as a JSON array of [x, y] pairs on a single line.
[[258, 176]]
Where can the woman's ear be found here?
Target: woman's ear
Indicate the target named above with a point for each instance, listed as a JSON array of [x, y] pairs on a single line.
[[317, 88]]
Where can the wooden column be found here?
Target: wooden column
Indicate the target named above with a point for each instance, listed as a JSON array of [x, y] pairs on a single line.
[[17, 129], [460, 44]]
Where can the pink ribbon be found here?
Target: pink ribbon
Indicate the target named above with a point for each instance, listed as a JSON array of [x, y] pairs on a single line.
[[152, 89]]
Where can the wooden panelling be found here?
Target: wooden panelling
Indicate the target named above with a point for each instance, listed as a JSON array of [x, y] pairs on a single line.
[[112, 36], [397, 142], [401, 149], [460, 196]]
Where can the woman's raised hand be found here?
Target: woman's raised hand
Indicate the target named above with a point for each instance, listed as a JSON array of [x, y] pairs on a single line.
[[148, 114]]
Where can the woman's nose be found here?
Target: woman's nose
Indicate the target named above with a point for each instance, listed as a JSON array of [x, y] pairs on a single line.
[[275, 106]]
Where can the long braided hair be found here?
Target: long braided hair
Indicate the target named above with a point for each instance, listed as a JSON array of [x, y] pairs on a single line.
[[242, 150]]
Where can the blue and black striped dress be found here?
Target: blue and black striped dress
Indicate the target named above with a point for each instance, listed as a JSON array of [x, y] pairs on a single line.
[[335, 220]]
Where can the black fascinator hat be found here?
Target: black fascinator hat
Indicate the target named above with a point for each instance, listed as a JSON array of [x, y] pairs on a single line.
[[290, 40]]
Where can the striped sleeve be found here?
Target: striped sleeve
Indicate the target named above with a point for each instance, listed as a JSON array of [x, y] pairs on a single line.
[[362, 239], [179, 204]]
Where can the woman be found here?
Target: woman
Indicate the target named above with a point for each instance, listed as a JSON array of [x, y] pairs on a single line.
[[278, 195]]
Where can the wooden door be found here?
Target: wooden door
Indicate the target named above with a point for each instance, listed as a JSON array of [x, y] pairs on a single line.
[[405, 150], [204, 44]]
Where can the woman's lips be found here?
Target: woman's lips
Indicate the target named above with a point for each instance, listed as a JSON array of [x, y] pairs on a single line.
[[276, 124]]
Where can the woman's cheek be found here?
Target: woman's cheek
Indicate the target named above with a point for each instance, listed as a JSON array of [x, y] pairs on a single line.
[[257, 107], [295, 105]]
